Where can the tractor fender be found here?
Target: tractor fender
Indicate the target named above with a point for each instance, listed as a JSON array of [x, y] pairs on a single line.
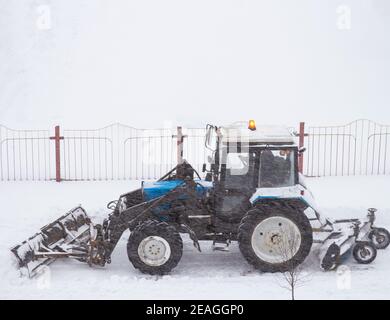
[[297, 193], [294, 192]]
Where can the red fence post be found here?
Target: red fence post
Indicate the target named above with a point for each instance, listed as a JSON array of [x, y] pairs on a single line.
[[180, 139], [180, 144], [57, 138], [301, 143]]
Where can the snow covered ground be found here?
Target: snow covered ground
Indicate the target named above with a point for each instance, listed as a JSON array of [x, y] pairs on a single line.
[[207, 275]]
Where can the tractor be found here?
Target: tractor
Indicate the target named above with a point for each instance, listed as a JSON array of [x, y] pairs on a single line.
[[252, 193]]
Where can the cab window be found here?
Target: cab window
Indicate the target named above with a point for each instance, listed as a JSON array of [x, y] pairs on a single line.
[[276, 168], [239, 170]]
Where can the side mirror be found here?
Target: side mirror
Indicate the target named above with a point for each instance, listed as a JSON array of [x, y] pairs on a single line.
[[204, 167], [301, 150], [112, 205]]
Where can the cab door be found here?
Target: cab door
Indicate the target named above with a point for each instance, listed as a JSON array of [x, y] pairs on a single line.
[[237, 183]]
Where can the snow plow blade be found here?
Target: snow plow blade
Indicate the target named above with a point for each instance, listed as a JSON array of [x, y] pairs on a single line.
[[67, 237]]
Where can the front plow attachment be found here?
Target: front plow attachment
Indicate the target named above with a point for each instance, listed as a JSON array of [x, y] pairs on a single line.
[[69, 236]]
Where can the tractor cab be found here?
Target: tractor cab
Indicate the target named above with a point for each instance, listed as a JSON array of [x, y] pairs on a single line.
[[245, 160]]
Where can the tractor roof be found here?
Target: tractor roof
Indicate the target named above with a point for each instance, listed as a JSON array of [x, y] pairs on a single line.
[[261, 135]]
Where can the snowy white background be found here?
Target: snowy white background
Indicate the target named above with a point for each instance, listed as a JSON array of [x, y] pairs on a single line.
[[188, 62]]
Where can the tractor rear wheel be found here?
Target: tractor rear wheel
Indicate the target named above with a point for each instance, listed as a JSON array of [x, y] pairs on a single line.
[[275, 237], [154, 247]]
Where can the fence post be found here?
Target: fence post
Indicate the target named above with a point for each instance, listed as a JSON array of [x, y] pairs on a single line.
[[57, 138], [180, 140], [301, 143]]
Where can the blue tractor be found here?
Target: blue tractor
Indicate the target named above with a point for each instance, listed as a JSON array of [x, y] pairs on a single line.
[[252, 193]]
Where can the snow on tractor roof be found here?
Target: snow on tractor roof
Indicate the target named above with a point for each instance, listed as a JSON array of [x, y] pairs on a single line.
[[262, 134]]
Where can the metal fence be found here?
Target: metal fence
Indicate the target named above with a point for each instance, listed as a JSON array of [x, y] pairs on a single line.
[[25, 155], [114, 152], [357, 148], [194, 150], [119, 152]]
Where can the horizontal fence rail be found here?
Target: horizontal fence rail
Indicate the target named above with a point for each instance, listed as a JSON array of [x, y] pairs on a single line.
[[121, 152]]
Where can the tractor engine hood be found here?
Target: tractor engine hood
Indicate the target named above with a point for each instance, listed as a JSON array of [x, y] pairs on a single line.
[[157, 189]]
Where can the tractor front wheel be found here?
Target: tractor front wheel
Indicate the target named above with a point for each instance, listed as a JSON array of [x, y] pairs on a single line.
[[275, 238], [154, 247]]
